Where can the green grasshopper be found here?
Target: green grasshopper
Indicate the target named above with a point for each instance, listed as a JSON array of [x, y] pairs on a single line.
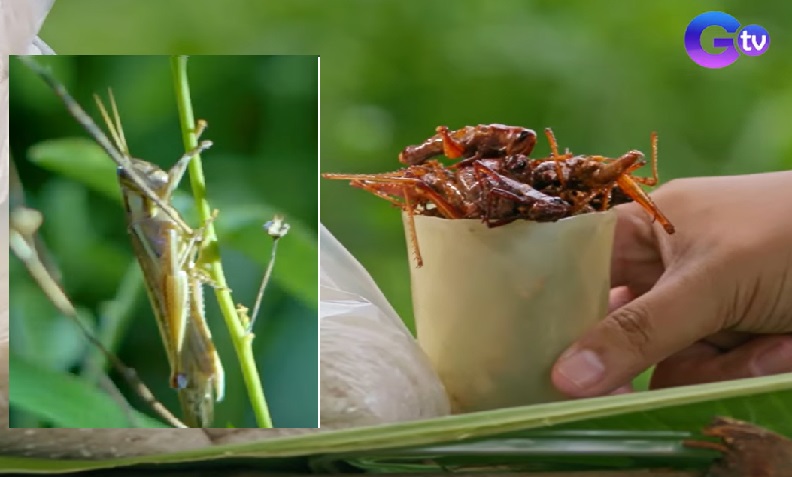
[[167, 251]]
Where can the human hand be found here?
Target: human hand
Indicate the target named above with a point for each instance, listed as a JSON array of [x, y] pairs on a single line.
[[712, 302]]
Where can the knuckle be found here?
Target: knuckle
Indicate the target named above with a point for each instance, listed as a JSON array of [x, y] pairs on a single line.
[[633, 324]]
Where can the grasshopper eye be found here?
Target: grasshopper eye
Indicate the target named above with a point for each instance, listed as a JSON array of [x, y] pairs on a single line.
[[524, 134], [123, 175]]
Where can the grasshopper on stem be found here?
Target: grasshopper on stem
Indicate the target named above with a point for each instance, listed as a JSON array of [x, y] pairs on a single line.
[[167, 251]]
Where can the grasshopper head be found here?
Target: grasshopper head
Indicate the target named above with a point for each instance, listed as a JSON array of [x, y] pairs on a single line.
[[519, 141]]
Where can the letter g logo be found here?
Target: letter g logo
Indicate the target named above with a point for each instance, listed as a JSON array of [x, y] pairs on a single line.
[[758, 44]]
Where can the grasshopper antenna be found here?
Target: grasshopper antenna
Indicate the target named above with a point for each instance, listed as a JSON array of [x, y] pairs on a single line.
[[90, 126]]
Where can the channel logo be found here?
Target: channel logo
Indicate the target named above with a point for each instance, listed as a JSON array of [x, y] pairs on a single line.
[[751, 40]]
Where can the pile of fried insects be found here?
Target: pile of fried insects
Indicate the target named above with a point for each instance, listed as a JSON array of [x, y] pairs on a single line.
[[494, 179]]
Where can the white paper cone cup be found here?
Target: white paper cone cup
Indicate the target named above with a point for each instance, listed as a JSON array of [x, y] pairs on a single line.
[[495, 307]]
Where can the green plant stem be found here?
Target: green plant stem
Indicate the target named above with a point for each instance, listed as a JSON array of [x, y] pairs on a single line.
[[241, 339]]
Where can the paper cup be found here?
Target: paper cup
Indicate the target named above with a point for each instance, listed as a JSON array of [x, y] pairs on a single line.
[[495, 307]]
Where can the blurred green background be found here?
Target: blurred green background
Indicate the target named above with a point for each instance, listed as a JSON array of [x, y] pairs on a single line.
[[603, 75], [262, 116]]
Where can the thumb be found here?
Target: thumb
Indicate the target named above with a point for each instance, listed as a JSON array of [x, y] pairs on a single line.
[[674, 314]]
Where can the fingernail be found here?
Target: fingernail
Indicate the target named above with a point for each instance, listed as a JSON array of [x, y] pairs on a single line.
[[581, 368], [777, 359]]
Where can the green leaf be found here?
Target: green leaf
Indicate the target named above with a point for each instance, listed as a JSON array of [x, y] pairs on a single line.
[[65, 400], [539, 451], [80, 159], [41, 334], [764, 401]]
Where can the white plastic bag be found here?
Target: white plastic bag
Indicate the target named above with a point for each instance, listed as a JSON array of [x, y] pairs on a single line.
[[20, 21], [372, 370]]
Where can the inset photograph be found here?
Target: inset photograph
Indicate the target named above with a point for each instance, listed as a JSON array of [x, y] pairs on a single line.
[[163, 241]]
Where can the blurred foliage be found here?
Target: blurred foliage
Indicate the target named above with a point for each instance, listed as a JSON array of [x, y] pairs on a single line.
[[603, 75], [262, 116]]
